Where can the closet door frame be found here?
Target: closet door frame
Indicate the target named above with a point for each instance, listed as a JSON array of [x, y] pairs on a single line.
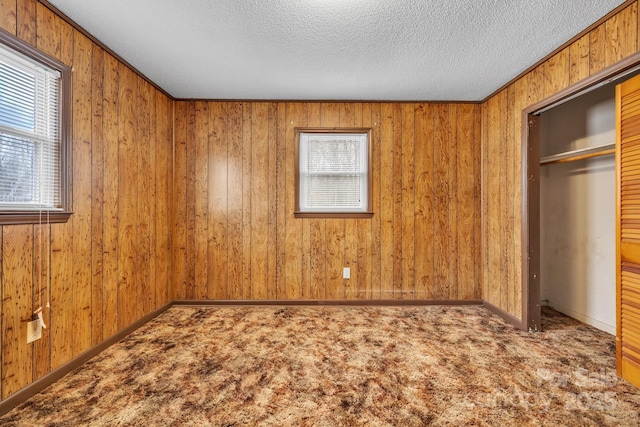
[[530, 183]]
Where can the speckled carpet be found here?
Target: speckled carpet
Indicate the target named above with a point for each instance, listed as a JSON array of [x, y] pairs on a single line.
[[342, 366]]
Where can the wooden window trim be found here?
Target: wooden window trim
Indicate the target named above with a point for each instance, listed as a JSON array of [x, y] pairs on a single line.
[[369, 212], [9, 217]]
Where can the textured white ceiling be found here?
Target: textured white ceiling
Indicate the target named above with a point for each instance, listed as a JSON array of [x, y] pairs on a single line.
[[333, 49]]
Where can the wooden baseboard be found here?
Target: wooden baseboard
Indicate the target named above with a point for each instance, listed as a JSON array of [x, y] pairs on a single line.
[[37, 386], [508, 317], [358, 302]]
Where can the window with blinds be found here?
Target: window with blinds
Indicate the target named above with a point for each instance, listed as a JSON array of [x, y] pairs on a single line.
[[333, 172], [31, 143]]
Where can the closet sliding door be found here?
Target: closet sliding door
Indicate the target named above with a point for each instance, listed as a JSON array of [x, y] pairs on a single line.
[[628, 230]]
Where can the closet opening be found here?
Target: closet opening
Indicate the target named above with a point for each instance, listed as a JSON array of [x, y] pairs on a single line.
[[569, 201]]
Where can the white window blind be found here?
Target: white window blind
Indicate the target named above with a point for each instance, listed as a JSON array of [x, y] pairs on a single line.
[[333, 172], [29, 134]]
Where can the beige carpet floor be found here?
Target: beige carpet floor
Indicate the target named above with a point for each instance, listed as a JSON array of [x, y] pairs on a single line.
[[342, 366]]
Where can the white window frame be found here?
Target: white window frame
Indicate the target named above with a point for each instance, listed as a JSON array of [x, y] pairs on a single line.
[[359, 170], [53, 201]]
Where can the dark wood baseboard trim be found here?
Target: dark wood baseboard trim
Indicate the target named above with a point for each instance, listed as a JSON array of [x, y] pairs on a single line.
[[44, 382], [508, 317], [359, 303]]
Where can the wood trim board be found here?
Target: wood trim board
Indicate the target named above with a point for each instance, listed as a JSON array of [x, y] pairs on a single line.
[[357, 303]]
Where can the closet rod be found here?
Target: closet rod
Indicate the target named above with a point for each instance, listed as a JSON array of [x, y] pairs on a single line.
[[583, 153]]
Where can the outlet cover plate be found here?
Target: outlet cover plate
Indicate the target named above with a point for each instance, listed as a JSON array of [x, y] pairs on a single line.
[[346, 273]]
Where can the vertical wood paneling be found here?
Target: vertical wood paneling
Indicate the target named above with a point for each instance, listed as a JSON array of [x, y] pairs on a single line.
[[621, 35], [97, 195], [81, 220], [127, 200], [519, 105], [465, 212], [201, 246], [492, 200], [179, 211], [281, 182], [143, 232], [424, 202], [154, 265], [8, 20], [441, 201], [234, 221], [154, 159], [510, 160], [217, 208], [110, 194], [452, 259], [41, 298], [579, 60], [61, 295], [397, 202], [164, 188], [477, 194], [597, 49], [66, 40], [484, 200], [387, 147], [17, 250], [247, 130], [93, 270], [26, 21], [408, 201], [502, 264], [272, 136], [190, 214], [556, 73], [48, 32], [535, 84], [259, 191], [261, 198]]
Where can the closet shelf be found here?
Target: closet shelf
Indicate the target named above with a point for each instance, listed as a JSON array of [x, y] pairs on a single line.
[[583, 153]]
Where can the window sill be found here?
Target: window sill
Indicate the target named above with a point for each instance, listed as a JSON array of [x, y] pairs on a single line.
[[15, 218], [333, 214]]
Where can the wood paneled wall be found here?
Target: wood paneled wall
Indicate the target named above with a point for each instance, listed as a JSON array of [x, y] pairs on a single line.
[[213, 219], [613, 40], [109, 265], [235, 236]]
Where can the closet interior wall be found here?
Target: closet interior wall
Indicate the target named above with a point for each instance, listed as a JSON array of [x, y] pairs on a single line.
[[577, 210]]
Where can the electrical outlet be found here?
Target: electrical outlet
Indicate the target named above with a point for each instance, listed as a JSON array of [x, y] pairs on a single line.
[[346, 273], [34, 331]]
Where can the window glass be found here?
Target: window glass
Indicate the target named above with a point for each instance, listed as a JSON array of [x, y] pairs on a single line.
[[32, 138], [333, 172]]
